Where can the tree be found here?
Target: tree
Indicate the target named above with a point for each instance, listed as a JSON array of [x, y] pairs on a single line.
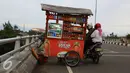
[[7, 32], [32, 32], [112, 34], [128, 36], [7, 26], [15, 27]]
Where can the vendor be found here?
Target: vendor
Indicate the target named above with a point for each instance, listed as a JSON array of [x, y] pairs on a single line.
[[88, 39]]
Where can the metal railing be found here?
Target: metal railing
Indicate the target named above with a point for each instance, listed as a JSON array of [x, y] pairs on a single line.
[[17, 47]]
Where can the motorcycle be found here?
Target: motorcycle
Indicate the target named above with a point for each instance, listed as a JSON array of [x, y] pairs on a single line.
[[95, 52]]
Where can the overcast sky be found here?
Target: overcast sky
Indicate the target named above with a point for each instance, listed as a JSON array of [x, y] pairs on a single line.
[[112, 14]]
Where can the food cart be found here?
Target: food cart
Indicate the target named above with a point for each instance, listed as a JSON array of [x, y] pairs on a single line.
[[65, 32]]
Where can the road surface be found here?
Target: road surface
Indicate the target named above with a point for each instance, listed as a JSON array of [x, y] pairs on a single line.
[[116, 59]]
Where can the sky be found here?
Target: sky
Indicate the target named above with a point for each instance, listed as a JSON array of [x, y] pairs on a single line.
[[112, 14]]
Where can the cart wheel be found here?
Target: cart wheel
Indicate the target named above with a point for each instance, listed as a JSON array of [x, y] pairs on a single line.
[[72, 58]]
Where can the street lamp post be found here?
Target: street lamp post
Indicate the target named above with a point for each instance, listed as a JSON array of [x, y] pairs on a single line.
[[95, 12], [24, 27]]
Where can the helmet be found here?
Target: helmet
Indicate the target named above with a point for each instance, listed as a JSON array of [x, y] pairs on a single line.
[[97, 25], [89, 26]]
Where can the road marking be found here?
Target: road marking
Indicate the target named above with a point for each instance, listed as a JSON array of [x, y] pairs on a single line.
[[117, 55], [110, 51], [118, 52], [113, 52], [69, 69], [124, 52]]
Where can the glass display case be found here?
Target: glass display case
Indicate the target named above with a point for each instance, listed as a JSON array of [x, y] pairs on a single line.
[[54, 30], [72, 32]]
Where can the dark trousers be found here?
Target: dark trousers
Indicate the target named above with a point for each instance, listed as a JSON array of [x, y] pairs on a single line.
[[87, 45]]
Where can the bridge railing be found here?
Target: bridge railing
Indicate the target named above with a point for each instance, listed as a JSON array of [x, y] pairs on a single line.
[[17, 47]]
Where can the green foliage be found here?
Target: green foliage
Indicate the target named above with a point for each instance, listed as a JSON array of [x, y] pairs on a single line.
[[128, 36], [33, 32], [112, 36], [15, 27], [8, 32]]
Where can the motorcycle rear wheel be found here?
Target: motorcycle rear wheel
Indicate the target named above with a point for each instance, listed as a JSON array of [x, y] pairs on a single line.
[[96, 59]]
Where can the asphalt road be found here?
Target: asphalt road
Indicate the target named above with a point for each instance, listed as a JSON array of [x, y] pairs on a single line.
[[116, 59]]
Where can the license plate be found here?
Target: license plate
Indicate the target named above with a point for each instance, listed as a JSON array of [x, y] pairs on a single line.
[[99, 49]]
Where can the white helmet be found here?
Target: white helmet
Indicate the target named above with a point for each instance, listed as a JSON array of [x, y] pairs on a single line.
[[89, 26]]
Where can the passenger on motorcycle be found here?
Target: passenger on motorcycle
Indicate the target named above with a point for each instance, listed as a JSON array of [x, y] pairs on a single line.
[[97, 34], [94, 36]]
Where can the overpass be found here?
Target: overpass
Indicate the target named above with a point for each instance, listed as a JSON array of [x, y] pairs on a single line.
[[116, 59], [20, 60]]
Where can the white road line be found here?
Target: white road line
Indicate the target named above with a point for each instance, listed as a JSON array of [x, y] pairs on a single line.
[[117, 55], [118, 52], [110, 51], [124, 52], [113, 52], [69, 69]]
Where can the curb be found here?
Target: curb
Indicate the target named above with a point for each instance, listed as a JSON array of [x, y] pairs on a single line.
[[116, 43]]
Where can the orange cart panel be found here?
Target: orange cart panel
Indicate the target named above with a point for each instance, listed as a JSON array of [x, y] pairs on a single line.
[[53, 46]]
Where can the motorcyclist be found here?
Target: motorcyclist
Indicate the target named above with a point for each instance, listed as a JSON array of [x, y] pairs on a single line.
[[90, 31], [88, 39], [94, 36]]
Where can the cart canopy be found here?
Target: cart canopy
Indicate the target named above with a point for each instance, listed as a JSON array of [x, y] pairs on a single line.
[[66, 10]]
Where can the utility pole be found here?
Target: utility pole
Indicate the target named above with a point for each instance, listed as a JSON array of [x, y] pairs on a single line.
[[95, 12], [24, 27]]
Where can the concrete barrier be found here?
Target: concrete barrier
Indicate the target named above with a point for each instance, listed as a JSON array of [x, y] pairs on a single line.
[[26, 66], [24, 63], [19, 60]]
